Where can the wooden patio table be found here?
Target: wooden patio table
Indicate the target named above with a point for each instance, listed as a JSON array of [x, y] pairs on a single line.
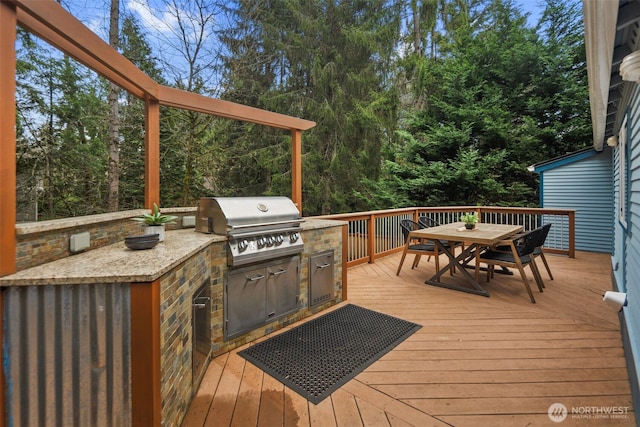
[[484, 235]]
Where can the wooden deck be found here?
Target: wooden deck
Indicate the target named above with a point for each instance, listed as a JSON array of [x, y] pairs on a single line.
[[477, 361]]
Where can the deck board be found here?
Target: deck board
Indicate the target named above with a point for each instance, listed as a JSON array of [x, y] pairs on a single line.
[[477, 361]]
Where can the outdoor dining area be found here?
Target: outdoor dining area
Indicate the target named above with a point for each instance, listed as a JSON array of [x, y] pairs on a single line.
[[504, 245]]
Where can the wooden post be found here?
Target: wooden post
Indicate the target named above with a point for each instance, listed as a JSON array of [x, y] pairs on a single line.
[[8, 22], [345, 259], [146, 401], [152, 153], [296, 168], [572, 234], [371, 238], [3, 414]]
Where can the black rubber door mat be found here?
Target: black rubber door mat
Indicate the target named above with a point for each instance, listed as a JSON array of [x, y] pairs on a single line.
[[319, 356]]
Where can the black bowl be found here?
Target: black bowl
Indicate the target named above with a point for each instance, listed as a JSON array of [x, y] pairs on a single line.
[[142, 238], [144, 241], [141, 245]]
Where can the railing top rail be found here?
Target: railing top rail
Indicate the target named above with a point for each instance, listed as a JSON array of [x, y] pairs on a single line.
[[368, 214], [388, 212], [549, 211]]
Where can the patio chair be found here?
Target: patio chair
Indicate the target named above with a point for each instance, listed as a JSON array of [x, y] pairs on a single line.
[[539, 252], [519, 255], [418, 247]]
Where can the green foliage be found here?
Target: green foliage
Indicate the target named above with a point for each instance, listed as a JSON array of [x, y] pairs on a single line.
[[156, 218], [136, 48], [469, 218], [499, 98], [450, 112], [324, 61]]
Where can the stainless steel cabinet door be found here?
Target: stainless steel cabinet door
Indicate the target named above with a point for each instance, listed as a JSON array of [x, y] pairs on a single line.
[[245, 300], [282, 288], [321, 283]]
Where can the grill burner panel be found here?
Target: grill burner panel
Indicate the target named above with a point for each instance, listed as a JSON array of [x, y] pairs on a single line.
[[258, 228], [244, 250]]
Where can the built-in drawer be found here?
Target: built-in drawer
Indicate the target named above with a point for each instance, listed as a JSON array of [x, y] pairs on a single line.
[[321, 280]]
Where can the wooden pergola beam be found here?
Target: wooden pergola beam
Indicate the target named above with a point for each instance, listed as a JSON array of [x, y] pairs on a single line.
[[177, 98]]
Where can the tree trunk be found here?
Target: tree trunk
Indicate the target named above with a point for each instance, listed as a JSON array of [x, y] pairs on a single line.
[[114, 120], [417, 38]]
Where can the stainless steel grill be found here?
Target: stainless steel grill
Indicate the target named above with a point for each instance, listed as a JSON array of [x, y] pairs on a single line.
[[258, 228]]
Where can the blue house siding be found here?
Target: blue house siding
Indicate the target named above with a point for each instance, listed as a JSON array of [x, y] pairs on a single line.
[[626, 255], [582, 181]]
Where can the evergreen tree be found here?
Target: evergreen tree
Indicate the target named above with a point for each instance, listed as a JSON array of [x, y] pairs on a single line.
[[326, 61], [486, 115], [135, 48], [61, 131], [479, 97]]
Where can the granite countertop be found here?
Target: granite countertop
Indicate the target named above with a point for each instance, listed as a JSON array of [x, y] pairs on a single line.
[[116, 263], [316, 223]]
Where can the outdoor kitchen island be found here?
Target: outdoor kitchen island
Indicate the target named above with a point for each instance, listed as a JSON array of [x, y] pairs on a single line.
[[127, 317]]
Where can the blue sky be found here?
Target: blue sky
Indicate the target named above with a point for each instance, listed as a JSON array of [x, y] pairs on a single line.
[[533, 7], [158, 18], [93, 13]]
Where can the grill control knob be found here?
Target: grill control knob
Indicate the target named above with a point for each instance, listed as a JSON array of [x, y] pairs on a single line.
[[261, 242], [293, 237], [279, 239], [243, 245], [270, 241]]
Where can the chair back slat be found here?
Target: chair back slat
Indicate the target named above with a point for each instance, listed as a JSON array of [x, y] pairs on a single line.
[[427, 222], [542, 234], [527, 243], [408, 226]]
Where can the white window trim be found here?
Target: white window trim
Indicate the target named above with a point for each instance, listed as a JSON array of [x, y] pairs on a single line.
[[622, 173]]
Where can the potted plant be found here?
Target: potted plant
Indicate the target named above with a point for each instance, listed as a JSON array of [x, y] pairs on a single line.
[[155, 221], [470, 220]]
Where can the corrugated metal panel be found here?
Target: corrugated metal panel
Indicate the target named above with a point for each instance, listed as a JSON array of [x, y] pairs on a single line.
[[585, 185], [67, 355]]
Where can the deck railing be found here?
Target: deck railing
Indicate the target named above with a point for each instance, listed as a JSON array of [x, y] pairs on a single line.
[[375, 234]]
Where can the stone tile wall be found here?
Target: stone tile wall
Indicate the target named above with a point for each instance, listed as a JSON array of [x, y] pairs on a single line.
[[176, 291], [42, 242], [47, 246]]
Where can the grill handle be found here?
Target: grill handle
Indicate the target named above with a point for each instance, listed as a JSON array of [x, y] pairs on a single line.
[[259, 232], [290, 221], [198, 304]]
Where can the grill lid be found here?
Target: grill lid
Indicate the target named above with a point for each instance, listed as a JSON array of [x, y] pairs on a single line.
[[244, 215]]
